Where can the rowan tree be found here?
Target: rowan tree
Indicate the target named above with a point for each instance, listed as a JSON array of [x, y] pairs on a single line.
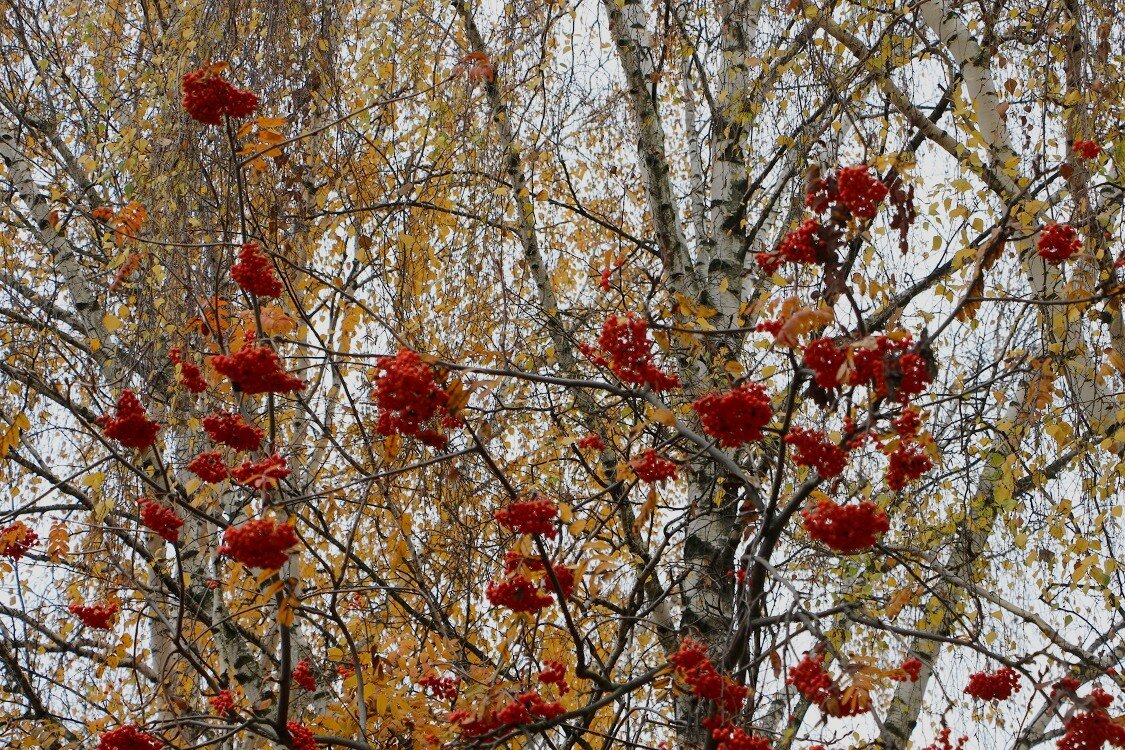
[[720, 375]]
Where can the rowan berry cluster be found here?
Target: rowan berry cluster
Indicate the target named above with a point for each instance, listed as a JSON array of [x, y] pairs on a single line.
[[852, 188], [209, 466], [16, 540], [845, 528], [518, 594], [816, 450], [591, 443], [208, 97], [826, 360], [881, 363], [652, 467], [737, 416], [233, 431], [801, 245], [190, 376], [1057, 242], [302, 675], [128, 737], [222, 702], [731, 737], [131, 427], [262, 475], [514, 562], [408, 397], [1087, 149], [97, 616], [812, 680], [160, 519], [524, 709], [907, 462], [253, 272], [941, 742], [993, 686], [302, 736], [535, 516], [256, 369], [261, 543], [1092, 728], [624, 340], [696, 669], [444, 688], [554, 673]]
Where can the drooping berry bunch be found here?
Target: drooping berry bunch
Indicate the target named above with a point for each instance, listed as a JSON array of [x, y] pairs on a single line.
[[233, 431], [16, 540], [852, 189], [190, 376], [1057, 242], [993, 686], [845, 528], [253, 272], [1093, 728], [526, 708], [443, 688], [554, 673], [302, 736], [591, 443], [517, 593], [1087, 149], [627, 352], [256, 369], [802, 245], [262, 475], [222, 702], [696, 669], [131, 427], [908, 462], [737, 416], [303, 675], [208, 97], [160, 519], [534, 516], [816, 450], [128, 737], [408, 397], [261, 543], [731, 737], [209, 467], [942, 742], [514, 562], [98, 616], [653, 467], [812, 680]]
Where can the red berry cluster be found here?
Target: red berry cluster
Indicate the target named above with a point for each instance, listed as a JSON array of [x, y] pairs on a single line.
[[1092, 728], [536, 516], [731, 737], [98, 616], [526, 708], [696, 669], [1057, 242], [302, 736], [801, 245], [882, 363], [852, 188], [262, 475], [812, 680], [128, 737], [131, 427], [826, 360], [518, 594], [161, 519], [16, 539], [816, 450], [993, 686], [907, 462], [190, 375], [908, 424], [737, 416], [256, 369], [1087, 149], [444, 688], [912, 668], [208, 97], [261, 543], [302, 675], [941, 742], [652, 467], [624, 339], [514, 562], [554, 673], [209, 466], [591, 443], [233, 431], [408, 397], [222, 702], [845, 528], [254, 272]]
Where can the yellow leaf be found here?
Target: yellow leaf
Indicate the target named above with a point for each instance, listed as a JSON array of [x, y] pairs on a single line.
[[11, 436], [111, 322]]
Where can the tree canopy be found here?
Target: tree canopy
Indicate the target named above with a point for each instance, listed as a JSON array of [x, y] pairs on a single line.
[[574, 375]]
